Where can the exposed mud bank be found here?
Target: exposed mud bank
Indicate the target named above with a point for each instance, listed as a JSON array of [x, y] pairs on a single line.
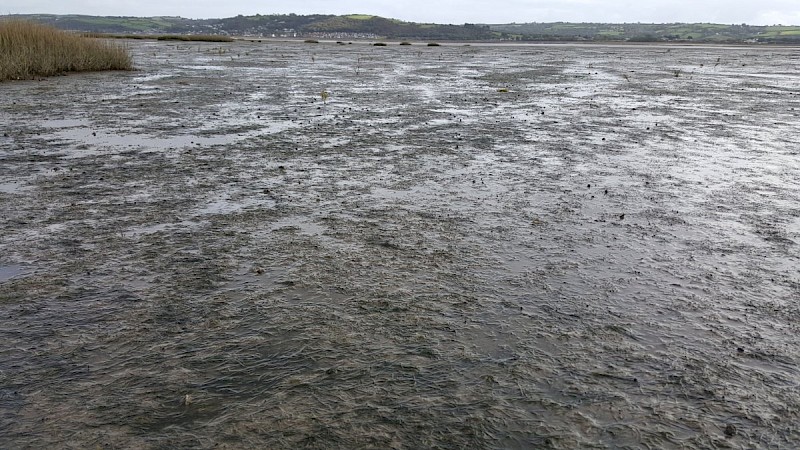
[[476, 247]]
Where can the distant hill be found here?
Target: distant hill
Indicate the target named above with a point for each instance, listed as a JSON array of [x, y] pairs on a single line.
[[283, 25], [374, 27], [637, 32], [396, 29]]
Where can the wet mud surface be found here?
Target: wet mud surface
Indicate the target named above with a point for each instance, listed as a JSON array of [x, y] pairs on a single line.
[[463, 247]]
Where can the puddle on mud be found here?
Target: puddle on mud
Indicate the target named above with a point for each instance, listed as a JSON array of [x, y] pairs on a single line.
[[473, 247], [186, 226], [302, 225], [13, 187], [97, 141], [9, 272], [227, 206]]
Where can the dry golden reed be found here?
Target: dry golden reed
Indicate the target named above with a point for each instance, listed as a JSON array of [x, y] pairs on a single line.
[[29, 50]]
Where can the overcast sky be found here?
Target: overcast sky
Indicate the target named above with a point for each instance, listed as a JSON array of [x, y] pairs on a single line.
[[755, 12]]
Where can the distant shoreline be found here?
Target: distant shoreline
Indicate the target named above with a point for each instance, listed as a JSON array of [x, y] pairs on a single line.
[[368, 27], [447, 43]]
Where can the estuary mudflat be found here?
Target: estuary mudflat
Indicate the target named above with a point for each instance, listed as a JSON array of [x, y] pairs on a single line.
[[478, 246]]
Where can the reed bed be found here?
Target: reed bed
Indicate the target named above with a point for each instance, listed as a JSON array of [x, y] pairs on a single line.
[[29, 50]]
